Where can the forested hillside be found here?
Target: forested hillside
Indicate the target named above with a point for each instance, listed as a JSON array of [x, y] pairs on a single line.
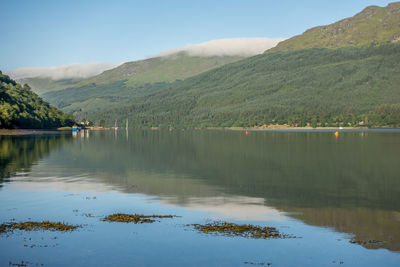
[[22, 108], [169, 68], [347, 86], [113, 88]]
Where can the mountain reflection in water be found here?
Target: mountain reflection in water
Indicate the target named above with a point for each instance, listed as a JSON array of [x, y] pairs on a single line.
[[348, 183]]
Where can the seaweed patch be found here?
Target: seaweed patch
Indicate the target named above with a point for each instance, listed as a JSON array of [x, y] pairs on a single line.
[[135, 218], [244, 230], [37, 226]]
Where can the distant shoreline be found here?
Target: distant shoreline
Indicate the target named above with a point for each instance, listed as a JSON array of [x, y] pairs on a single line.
[[308, 128], [285, 127], [11, 132], [305, 128], [16, 132]]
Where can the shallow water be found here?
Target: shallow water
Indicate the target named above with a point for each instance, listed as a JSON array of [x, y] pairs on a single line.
[[323, 190]]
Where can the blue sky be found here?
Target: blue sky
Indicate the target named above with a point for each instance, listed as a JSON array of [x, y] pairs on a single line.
[[50, 33]]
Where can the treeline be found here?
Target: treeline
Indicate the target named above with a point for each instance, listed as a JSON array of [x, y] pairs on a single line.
[[318, 87], [22, 108]]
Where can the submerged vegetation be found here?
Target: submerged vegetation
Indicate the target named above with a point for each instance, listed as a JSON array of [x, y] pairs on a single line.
[[37, 226], [244, 230], [135, 218], [22, 108]]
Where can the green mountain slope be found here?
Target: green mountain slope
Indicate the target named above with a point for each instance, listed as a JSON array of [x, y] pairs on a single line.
[[115, 87], [160, 69], [320, 86], [373, 25], [22, 108], [43, 85]]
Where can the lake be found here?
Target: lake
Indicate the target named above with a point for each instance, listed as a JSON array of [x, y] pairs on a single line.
[[336, 198]]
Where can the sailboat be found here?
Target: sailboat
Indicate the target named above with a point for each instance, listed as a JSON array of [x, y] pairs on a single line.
[[126, 127], [115, 125]]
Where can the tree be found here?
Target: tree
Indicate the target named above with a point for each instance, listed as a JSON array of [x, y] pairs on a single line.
[[22, 108]]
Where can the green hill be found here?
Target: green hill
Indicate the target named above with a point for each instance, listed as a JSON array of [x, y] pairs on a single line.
[[160, 69], [43, 85], [373, 25], [157, 69], [349, 86], [114, 88], [22, 108]]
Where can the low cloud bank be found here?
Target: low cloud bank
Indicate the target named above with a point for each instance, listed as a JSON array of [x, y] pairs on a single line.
[[221, 47], [228, 47], [75, 70]]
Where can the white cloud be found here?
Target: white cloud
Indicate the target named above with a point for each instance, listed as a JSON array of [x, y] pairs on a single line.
[[221, 47], [228, 47], [75, 70]]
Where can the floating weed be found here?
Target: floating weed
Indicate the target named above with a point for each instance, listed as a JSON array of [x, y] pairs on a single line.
[[368, 243], [89, 215], [135, 218], [24, 263], [36, 226], [340, 262], [258, 263], [28, 243], [41, 246], [245, 230]]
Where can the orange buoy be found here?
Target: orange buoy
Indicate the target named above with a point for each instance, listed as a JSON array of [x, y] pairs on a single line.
[[247, 132], [337, 134]]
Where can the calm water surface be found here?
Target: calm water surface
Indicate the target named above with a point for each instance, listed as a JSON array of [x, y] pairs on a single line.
[[324, 190]]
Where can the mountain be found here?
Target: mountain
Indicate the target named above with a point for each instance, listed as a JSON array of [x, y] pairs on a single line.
[[41, 85], [169, 68], [332, 87], [115, 87], [329, 76], [22, 108], [46, 79], [170, 65], [372, 25]]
